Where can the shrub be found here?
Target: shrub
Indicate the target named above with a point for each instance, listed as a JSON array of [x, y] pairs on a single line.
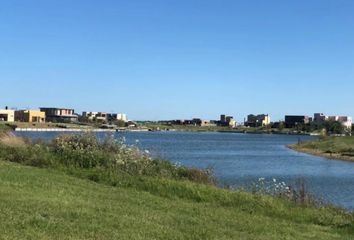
[[106, 159], [297, 192]]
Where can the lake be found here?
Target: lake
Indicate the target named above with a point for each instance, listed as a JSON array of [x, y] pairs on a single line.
[[241, 159]]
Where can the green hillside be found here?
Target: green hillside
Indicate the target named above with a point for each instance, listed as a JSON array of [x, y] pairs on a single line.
[[78, 188]]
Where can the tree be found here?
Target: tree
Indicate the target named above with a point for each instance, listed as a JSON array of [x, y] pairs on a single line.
[[334, 127]]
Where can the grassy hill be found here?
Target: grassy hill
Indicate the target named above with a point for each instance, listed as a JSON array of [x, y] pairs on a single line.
[[54, 201], [47, 204]]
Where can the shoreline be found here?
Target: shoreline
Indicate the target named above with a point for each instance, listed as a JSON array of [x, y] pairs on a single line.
[[315, 152], [147, 130], [75, 130]]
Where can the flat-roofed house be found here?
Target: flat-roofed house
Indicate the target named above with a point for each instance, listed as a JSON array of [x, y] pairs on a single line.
[[227, 121], [101, 117], [7, 115], [259, 120], [345, 120], [117, 117], [293, 120], [89, 115], [95, 116], [29, 116], [59, 114]]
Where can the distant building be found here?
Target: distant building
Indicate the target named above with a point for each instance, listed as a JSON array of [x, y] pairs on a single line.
[[59, 114], [200, 122], [101, 117], [7, 115], [117, 117], [227, 121], [30, 116], [257, 120], [95, 116], [319, 117], [90, 116], [345, 120], [294, 120], [223, 118], [193, 122]]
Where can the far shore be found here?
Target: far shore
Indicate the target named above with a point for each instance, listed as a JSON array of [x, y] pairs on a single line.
[[148, 130], [319, 153], [85, 127]]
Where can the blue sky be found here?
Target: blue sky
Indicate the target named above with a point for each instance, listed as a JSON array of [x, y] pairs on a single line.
[[179, 59]]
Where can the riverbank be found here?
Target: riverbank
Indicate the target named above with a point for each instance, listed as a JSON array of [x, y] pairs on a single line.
[[339, 148], [67, 127], [250, 130], [81, 127], [78, 188]]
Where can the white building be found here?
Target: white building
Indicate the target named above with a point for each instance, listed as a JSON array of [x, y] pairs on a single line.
[[7, 115], [118, 117], [346, 121], [122, 117]]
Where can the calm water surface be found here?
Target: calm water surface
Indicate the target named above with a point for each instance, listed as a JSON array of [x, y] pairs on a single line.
[[240, 159]]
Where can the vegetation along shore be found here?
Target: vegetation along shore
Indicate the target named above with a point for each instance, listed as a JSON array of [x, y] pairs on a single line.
[[79, 187], [341, 148]]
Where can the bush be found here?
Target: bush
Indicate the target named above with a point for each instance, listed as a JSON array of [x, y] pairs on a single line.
[[106, 160]]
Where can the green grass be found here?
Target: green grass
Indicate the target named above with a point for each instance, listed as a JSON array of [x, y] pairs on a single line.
[[4, 127], [48, 204], [332, 145], [77, 187]]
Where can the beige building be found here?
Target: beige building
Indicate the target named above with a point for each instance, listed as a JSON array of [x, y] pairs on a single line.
[[95, 116], [7, 115], [257, 120], [30, 116]]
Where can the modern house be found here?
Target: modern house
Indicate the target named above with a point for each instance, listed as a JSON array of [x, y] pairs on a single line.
[[101, 117], [7, 115], [95, 116], [257, 120], [227, 121], [319, 117], [89, 115], [293, 120], [59, 114], [30, 116], [117, 117]]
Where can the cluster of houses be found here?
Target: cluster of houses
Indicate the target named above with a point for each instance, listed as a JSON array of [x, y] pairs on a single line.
[[59, 115], [225, 121], [262, 120], [294, 120], [67, 115]]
